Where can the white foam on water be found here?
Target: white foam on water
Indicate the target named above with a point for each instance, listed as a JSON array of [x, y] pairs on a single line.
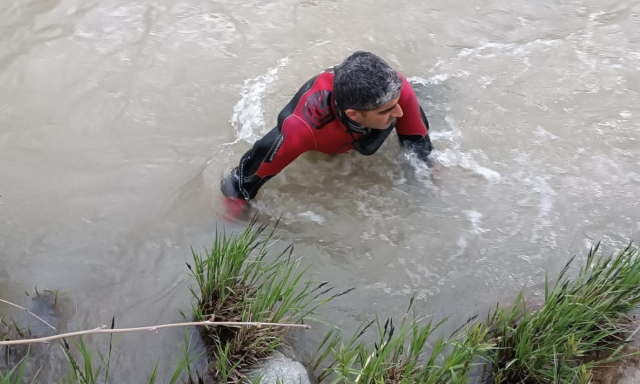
[[422, 171], [474, 218], [437, 79], [538, 187], [441, 135], [541, 132], [432, 80], [484, 51], [248, 114], [626, 114], [485, 81], [450, 157], [547, 194], [455, 158], [406, 290], [490, 50], [312, 216]]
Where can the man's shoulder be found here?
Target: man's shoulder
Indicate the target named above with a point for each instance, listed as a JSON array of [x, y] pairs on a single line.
[[407, 93], [314, 105], [321, 82]]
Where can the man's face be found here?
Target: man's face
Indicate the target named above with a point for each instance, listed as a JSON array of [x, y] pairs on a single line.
[[379, 118]]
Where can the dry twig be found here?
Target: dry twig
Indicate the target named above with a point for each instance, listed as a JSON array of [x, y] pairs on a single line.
[[29, 312], [153, 329]]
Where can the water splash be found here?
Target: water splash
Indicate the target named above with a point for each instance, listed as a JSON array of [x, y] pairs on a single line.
[[454, 158], [491, 50], [543, 133], [474, 218], [313, 217], [437, 79], [248, 114]]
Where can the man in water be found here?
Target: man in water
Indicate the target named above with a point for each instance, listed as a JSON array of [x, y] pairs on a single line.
[[354, 105]]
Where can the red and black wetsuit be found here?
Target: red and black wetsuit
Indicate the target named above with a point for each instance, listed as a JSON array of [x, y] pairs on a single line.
[[312, 122]]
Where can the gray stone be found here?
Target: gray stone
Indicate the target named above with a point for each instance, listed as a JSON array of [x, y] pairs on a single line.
[[279, 367], [630, 375]]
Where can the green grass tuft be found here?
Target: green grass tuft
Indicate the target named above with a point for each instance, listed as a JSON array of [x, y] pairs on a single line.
[[238, 280], [16, 374], [400, 354], [583, 323]]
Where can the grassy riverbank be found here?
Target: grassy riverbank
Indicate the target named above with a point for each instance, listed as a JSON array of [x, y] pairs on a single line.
[[237, 280], [584, 322]]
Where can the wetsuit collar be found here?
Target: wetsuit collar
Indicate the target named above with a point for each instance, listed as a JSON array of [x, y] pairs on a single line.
[[370, 140], [351, 125]]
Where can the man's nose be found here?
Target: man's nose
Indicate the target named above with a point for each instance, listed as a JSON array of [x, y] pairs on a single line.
[[397, 112]]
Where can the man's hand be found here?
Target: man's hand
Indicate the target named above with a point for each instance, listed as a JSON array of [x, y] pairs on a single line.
[[434, 166], [234, 207]]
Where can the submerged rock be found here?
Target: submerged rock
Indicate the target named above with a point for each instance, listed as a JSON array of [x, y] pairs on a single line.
[[45, 305]]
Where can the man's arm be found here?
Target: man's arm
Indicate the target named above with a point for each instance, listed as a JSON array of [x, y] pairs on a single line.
[[269, 155], [413, 127], [272, 153]]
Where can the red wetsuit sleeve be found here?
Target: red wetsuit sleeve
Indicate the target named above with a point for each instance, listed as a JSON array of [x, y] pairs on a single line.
[[269, 156], [295, 139], [413, 127]]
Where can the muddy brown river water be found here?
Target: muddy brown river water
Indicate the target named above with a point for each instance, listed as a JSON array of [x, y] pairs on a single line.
[[117, 119]]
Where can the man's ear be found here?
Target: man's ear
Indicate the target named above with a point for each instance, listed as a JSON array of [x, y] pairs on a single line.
[[352, 114]]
